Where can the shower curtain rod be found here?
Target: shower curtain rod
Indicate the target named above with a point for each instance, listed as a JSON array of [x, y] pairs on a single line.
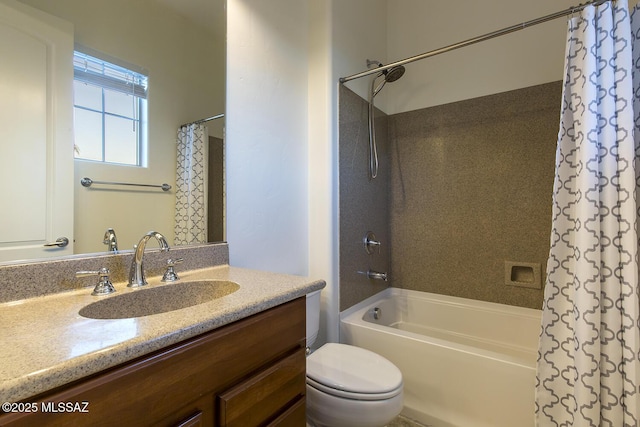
[[474, 40], [208, 119]]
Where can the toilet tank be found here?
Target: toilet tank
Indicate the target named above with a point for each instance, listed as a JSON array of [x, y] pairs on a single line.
[[313, 316]]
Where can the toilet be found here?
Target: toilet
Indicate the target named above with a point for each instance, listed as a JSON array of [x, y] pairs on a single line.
[[348, 386]]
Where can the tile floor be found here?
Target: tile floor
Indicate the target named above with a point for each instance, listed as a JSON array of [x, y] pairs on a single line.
[[402, 421]]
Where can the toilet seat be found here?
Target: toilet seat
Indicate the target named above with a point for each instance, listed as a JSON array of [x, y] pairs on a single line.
[[353, 396], [352, 372]]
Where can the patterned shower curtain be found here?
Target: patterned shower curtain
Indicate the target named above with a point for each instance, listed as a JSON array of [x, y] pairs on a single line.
[[588, 359], [191, 194]]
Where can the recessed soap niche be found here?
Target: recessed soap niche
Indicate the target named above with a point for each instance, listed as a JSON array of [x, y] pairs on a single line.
[[522, 274]]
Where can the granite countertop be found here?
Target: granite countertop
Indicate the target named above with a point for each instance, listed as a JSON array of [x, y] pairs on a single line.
[[46, 343]]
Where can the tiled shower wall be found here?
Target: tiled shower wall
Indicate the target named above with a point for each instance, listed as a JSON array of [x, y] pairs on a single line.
[[468, 191], [364, 203]]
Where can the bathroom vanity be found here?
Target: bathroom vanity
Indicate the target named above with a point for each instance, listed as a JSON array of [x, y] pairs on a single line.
[[251, 372], [237, 360]]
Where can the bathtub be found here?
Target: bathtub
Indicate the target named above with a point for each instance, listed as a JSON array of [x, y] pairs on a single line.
[[465, 363]]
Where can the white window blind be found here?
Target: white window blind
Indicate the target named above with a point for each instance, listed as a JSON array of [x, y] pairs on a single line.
[[95, 71]]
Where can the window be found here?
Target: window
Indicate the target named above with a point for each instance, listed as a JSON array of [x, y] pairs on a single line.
[[110, 104]]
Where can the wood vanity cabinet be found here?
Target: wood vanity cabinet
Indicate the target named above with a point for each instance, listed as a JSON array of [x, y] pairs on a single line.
[[248, 373]]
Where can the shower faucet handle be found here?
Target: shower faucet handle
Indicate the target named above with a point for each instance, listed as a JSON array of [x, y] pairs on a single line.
[[371, 243]]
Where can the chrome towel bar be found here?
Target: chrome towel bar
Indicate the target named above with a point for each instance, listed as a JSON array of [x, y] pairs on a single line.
[[86, 182]]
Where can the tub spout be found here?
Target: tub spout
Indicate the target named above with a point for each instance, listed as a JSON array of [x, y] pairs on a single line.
[[377, 275]]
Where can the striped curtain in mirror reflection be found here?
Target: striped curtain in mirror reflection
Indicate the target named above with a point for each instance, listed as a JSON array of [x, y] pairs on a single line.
[[191, 194]]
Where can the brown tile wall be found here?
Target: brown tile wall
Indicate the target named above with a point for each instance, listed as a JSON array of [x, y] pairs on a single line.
[[364, 203], [469, 188]]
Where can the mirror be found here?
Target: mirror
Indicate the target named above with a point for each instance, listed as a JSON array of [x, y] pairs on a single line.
[[181, 43]]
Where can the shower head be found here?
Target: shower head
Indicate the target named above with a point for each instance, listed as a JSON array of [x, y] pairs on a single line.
[[390, 75], [394, 73]]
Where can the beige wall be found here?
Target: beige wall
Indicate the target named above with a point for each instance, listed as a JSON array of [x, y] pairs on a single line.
[[525, 58], [398, 29], [186, 83], [267, 155]]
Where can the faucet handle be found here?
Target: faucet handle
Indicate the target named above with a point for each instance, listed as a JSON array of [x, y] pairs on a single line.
[[104, 285], [170, 275], [371, 243]]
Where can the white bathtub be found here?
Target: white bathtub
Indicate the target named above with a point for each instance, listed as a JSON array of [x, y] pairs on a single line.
[[465, 363]]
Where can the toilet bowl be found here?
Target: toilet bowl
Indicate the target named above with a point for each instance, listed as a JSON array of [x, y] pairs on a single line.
[[348, 386]]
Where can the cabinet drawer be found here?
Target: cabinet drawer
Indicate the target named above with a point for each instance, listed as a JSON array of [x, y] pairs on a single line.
[[295, 416], [266, 395], [196, 420]]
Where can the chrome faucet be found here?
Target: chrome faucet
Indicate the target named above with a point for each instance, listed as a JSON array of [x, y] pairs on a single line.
[[136, 274], [110, 240]]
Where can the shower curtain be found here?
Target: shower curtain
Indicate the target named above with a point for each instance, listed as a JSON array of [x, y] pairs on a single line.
[[191, 194], [588, 359]]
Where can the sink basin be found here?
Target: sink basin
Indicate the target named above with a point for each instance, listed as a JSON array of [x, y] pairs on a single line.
[[158, 299]]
